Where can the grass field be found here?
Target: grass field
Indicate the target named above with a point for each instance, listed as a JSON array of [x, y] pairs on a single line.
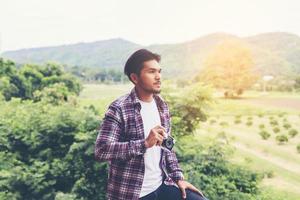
[[280, 162], [228, 121]]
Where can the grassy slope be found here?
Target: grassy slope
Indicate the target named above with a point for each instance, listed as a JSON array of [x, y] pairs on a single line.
[[282, 161]]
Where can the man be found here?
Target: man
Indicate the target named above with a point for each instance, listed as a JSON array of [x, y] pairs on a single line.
[[130, 137]]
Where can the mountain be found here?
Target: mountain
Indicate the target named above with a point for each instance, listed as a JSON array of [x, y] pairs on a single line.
[[276, 53], [106, 53]]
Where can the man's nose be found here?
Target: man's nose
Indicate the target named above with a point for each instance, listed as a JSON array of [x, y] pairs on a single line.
[[157, 76]]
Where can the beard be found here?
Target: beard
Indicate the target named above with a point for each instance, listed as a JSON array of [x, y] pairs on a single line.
[[151, 90]]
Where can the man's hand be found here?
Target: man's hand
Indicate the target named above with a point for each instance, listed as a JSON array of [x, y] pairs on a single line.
[[155, 136], [183, 185]]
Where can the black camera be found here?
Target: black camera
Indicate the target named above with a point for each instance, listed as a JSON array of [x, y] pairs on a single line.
[[168, 143]]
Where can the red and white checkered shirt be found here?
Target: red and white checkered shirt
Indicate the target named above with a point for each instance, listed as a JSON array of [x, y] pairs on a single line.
[[121, 142]]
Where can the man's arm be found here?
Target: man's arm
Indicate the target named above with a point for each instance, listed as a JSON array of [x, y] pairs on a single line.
[[174, 170], [108, 146]]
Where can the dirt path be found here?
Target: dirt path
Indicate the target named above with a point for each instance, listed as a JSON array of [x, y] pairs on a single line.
[[274, 160]]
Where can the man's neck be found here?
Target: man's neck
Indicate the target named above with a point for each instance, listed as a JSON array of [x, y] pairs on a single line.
[[143, 95]]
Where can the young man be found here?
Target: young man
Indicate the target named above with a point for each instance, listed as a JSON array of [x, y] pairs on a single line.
[[130, 137]]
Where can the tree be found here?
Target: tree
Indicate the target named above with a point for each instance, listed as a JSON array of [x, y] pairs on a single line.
[[229, 66], [24, 82]]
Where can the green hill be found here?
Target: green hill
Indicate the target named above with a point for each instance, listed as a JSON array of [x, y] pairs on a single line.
[[274, 53]]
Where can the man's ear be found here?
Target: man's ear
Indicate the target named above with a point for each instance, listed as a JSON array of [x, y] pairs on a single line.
[[134, 78]]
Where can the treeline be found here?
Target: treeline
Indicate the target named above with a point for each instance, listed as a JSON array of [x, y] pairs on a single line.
[[47, 143], [98, 75]]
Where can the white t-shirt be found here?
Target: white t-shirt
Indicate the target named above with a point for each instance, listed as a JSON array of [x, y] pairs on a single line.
[[153, 174]]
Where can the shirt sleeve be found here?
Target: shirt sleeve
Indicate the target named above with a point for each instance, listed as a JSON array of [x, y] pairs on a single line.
[[173, 168], [108, 145]]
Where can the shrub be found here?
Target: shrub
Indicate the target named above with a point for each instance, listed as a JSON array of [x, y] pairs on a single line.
[[293, 132], [264, 134], [238, 116], [273, 122], [261, 126], [298, 148], [287, 126], [249, 123], [276, 130], [212, 121], [237, 121], [281, 139], [281, 114], [223, 123], [260, 115], [269, 174], [271, 118]]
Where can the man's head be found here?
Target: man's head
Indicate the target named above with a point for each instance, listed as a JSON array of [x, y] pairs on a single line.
[[142, 69]]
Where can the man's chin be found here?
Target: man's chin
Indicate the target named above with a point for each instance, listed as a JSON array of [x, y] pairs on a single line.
[[156, 91]]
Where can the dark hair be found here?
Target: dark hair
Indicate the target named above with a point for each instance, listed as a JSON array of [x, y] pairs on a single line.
[[135, 62]]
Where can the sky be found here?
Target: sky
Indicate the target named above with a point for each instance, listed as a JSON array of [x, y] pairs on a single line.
[[37, 23]]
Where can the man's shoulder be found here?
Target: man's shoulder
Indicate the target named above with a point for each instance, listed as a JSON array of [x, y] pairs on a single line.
[[121, 102]]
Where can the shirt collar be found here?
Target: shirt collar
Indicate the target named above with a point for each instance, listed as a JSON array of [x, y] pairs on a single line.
[[135, 100]]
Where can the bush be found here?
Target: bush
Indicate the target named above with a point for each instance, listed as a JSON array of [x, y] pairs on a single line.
[[298, 148], [223, 123], [237, 121], [261, 126], [281, 114], [293, 132], [212, 121], [281, 139], [273, 122], [249, 123], [287, 126], [270, 174], [276, 130], [264, 135], [209, 170], [48, 151]]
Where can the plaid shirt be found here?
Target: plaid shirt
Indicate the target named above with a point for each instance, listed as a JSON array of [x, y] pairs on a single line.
[[121, 141]]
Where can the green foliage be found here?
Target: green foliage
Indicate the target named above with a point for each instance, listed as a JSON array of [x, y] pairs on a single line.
[[276, 129], [281, 139], [48, 152], [264, 135], [293, 132], [212, 121], [298, 148], [261, 126], [237, 121], [287, 125], [207, 168], [260, 115], [224, 124], [273, 122], [249, 123], [188, 108], [31, 79]]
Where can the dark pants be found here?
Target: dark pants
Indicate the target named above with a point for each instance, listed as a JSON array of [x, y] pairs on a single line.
[[166, 192]]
